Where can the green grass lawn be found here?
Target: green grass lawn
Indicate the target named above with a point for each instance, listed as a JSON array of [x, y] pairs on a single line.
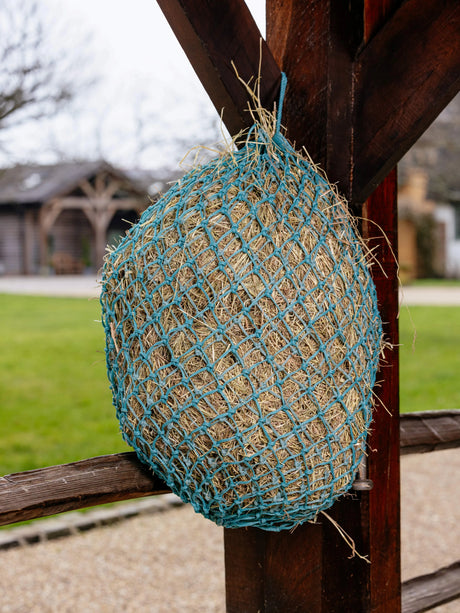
[[436, 283], [55, 403], [430, 362]]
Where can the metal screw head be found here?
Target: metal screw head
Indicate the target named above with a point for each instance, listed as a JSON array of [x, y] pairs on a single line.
[[361, 485]]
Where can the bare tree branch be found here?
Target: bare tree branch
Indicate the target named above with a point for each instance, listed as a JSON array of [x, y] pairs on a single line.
[[36, 75]]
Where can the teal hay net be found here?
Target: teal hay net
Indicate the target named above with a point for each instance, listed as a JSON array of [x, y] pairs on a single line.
[[243, 336]]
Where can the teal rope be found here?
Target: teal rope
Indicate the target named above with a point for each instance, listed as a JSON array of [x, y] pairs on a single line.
[[281, 102], [142, 287]]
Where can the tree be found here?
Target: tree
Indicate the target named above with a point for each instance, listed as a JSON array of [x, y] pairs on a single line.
[[44, 67], [146, 126], [37, 74]]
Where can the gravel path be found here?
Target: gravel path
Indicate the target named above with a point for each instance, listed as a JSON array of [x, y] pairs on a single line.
[[173, 561], [77, 286], [89, 287]]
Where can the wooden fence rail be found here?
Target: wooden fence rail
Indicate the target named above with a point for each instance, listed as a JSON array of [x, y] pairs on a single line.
[[428, 591], [69, 487], [429, 431], [55, 489]]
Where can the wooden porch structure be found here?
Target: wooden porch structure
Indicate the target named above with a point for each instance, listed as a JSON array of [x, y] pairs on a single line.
[[365, 79], [96, 200], [65, 213]]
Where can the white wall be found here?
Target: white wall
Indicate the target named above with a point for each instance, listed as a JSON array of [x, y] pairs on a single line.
[[444, 213]]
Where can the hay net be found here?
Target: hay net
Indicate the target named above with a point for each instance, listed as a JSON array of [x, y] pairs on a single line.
[[243, 336]]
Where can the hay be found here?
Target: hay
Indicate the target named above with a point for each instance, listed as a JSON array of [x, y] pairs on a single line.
[[243, 337]]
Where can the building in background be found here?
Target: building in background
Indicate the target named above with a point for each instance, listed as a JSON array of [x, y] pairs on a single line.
[[429, 200], [421, 236], [447, 215], [60, 218]]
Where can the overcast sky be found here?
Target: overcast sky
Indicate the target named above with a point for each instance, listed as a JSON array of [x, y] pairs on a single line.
[[147, 90]]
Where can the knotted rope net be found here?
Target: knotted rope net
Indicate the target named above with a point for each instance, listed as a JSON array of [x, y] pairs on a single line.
[[243, 336]]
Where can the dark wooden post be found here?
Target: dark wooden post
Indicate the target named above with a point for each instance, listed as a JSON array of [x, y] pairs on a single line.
[[309, 570]]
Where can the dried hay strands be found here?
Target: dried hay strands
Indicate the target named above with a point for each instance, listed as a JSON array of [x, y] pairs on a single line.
[[243, 336]]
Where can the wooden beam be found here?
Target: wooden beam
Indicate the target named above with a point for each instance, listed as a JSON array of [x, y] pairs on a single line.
[[28, 241], [404, 76], [46, 491], [428, 591], [314, 42], [282, 571], [48, 214], [244, 553], [429, 431], [320, 79], [99, 209], [55, 489], [380, 518], [306, 66], [82, 203], [100, 227], [373, 519], [87, 188], [389, 85], [273, 571], [215, 33], [370, 97]]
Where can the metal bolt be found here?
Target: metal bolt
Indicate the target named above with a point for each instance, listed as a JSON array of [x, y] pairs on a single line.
[[362, 483]]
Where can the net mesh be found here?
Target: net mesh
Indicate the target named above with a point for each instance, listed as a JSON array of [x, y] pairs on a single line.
[[243, 337]]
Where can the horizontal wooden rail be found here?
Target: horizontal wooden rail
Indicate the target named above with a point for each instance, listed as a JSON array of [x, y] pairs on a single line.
[[429, 431], [428, 591], [68, 487]]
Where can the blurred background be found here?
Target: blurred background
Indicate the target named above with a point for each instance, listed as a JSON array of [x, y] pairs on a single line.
[[98, 107], [98, 101]]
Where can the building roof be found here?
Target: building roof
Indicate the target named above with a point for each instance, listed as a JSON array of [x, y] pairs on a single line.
[[26, 184]]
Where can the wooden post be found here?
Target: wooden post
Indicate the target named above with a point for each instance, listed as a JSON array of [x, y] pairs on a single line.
[[309, 570], [215, 33], [49, 212], [29, 223]]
